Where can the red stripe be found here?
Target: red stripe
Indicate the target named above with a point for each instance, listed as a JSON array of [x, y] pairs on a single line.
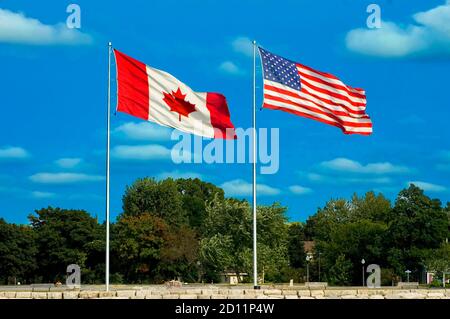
[[220, 116], [289, 93], [333, 94], [132, 86], [281, 91], [347, 112], [333, 85], [314, 118], [327, 75], [307, 91], [319, 111]]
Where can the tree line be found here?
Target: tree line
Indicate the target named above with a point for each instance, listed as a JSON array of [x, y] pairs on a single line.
[[188, 229]]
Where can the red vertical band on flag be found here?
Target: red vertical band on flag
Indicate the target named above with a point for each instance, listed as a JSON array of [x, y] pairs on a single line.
[[132, 86], [220, 116]]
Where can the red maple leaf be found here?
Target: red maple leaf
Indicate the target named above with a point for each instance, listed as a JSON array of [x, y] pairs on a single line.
[[177, 103]]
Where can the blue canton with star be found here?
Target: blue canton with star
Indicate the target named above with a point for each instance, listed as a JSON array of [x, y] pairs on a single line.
[[280, 70]]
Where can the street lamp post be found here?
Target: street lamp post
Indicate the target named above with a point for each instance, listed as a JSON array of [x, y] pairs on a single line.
[[308, 258], [307, 271], [363, 272]]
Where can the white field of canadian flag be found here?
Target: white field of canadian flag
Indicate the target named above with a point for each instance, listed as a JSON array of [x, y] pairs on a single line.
[[156, 96]]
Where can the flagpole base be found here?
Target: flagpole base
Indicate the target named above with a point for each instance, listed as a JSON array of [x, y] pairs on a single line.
[[257, 287]]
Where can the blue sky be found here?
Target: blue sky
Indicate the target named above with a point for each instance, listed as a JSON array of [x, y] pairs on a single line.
[[53, 97]]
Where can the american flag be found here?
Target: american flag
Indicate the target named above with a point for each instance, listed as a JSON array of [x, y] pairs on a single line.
[[301, 90]]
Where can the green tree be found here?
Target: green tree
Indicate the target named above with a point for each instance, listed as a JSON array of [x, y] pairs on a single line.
[[320, 225], [272, 241], [181, 207], [416, 223], [417, 220], [147, 249], [179, 254], [160, 198], [227, 244], [229, 221], [340, 273], [296, 249], [356, 240], [355, 228], [447, 210], [185, 228], [438, 260], [65, 237], [215, 256], [136, 243], [194, 195], [17, 253], [371, 206]]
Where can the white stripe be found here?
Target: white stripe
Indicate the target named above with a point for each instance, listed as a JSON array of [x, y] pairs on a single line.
[[310, 104], [333, 107], [299, 109], [327, 79], [307, 90], [307, 86], [316, 100], [322, 116], [359, 129], [332, 89]]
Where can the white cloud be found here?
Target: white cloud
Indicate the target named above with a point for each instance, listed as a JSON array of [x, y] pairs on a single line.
[[388, 41], [12, 152], [314, 177], [346, 165], [243, 45], [64, 178], [239, 187], [428, 187], [230, 68], [343, 179], [436, 18], [354, 180], [42, 195], [179, 174], [68, 162], [430, 35], [300, 190], [17, 28], [140, 152], [143, 131], [263, 189]]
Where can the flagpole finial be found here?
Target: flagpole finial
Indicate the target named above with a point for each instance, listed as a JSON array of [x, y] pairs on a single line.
[[254, 42], [109, 43]]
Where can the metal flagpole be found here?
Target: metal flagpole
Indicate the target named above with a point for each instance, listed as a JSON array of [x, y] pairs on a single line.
[[108, 125], [255, 259]]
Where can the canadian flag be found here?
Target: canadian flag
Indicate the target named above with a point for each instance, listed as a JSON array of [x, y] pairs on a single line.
[[156, 96]]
